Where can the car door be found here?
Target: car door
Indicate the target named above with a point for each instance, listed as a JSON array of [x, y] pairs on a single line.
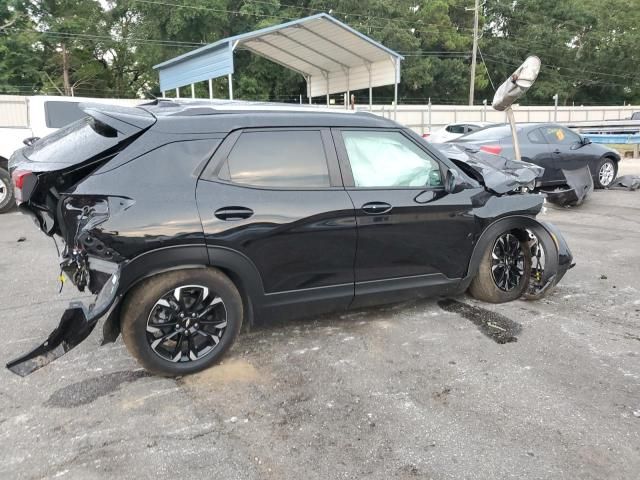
[[412, 235], [276, 196], [536, 149], [565, 146]]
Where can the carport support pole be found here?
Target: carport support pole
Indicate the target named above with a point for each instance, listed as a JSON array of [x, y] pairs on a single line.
[[370, 91], [210, 89], [230, 78], [178, 92], [163, 95], [348, 102], [327, 89], [193, 91], [395, 90]]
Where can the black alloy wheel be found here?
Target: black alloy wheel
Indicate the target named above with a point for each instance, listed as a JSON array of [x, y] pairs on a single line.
[[507, 262], [186, 324]]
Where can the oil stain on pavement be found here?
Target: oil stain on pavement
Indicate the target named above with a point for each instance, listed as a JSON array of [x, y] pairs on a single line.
[[88, 390], [494, 325]]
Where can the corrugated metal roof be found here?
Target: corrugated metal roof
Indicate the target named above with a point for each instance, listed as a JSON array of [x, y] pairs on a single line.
[[332, 56]]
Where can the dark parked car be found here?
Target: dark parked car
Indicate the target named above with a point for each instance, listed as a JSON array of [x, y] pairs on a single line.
[[189, 219], [551, 146]]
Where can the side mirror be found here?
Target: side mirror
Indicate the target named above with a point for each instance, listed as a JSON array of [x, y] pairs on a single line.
[[451, 181], [586, 141]]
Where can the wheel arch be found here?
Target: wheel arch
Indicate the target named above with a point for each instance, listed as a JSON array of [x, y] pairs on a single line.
[[4, 163], [518, 224], [239, 268]]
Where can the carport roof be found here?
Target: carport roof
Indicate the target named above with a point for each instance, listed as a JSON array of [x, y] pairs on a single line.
[[330, 55]]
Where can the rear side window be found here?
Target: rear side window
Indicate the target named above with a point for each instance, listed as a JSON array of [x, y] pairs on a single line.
[[535, 136], [60, 114], [489, 133], [282, 159]]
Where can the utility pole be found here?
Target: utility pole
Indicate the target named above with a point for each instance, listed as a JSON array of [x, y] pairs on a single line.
[[476, 11]]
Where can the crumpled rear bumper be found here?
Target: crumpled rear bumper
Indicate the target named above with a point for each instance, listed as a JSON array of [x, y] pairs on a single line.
[[76, 324]]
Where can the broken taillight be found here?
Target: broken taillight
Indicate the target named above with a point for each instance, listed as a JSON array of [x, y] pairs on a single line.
[[21, 178], [493, 149]]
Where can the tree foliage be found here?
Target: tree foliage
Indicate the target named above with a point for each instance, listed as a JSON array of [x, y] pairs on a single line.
[[107, 48]]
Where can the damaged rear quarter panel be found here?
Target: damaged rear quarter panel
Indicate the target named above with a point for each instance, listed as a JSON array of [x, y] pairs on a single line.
[[119, 212]]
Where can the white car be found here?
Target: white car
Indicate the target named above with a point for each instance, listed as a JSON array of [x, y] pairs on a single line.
[[28, 117], [453, 131]]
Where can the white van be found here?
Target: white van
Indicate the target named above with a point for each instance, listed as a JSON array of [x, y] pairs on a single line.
[[23, 118]]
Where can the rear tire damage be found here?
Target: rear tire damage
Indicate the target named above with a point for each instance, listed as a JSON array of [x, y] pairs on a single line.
[[145, 345]]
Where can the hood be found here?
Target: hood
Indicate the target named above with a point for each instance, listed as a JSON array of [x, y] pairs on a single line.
[[498, 174]]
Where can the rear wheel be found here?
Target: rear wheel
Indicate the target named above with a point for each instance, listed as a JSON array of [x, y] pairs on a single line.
[[6, 192], [182, 322], [504, 271], [606, 173]]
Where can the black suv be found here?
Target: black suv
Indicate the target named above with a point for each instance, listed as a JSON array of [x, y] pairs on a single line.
[[189, 219]]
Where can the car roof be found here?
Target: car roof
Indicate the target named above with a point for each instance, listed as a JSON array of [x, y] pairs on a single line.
[[223, 116]]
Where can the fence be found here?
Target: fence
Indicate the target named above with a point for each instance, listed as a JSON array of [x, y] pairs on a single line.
[[426, 118], [421, 118]]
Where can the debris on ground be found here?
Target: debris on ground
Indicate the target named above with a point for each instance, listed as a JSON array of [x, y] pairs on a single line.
[[626, 182]]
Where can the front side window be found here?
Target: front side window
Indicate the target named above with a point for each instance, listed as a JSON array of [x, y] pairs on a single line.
[[560, 136], [281, 159], [389, 159]]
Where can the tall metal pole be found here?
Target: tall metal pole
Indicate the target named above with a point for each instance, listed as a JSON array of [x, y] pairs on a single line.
[[514, 134], [476, 12]]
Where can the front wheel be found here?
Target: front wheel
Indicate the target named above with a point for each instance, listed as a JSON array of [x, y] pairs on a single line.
[[606, 173], [6, 192], [181, 322], [504, 271]]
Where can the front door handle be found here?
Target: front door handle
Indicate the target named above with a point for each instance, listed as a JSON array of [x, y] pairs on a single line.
[[376, 208], [233, 213], [557, 150]]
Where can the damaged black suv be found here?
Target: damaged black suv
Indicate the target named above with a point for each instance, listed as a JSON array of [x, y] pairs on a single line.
[[188, 219]]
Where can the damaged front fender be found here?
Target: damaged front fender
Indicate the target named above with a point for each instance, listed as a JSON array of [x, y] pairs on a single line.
[[76, 324]]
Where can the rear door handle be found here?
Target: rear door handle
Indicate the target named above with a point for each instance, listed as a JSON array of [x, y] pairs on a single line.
[[557, 150], [233, 213], [376, 208]]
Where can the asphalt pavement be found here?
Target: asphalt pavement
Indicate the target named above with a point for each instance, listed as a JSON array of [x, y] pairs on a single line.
[[414, 390]]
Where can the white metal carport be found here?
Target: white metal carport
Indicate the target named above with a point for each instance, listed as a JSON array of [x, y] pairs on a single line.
[[331, 56]]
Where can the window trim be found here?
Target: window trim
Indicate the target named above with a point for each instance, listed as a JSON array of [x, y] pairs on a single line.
[[345, 165], [213, 170]]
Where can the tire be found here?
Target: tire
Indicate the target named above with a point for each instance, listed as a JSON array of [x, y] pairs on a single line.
[[484, 287], [605, 173], [7, 200], [159, 301]]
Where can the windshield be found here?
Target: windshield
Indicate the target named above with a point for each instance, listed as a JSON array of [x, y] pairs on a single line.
[[489, 133], [74, 143]]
